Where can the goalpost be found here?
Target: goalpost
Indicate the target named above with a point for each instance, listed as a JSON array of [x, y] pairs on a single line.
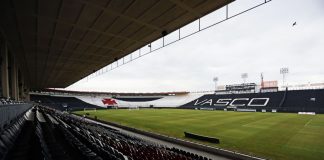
[[133, 108], [90, 109]]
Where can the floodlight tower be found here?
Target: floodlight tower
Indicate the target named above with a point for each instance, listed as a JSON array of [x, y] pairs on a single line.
[[262, 83], [284, 71], [244, 76], [215, 79]]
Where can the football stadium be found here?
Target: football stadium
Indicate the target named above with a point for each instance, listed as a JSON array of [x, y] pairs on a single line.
[[49, 50]]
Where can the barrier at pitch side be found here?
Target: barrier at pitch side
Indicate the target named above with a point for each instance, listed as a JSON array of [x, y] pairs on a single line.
[[201, 137]]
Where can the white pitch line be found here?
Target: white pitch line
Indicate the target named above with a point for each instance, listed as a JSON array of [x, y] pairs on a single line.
[[308, 122]]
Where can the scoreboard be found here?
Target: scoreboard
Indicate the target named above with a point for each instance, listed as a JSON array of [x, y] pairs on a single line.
[[241, 87]]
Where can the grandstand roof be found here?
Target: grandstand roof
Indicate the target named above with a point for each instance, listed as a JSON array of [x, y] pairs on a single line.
[[60, 42], [58, 91]]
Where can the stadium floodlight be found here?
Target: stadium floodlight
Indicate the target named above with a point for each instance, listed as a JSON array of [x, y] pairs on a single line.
[[284, 71], [244, 76], [215, 79]]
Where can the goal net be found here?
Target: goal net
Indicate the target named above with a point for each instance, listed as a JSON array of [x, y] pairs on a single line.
[[133, 108]]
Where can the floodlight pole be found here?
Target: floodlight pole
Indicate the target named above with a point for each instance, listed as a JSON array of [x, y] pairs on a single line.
[[215, 79], [244, 76], [284, 71], [262, 82]]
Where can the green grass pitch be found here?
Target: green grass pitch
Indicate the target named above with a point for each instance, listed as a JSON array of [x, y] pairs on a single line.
[[269, 135]]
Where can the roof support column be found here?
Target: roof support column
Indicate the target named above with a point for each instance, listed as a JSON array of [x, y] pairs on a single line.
[[4, 69], [14, 79], [21, 86], [26, 93]]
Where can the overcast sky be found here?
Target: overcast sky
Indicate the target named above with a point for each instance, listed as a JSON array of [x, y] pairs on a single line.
[[261, 40]]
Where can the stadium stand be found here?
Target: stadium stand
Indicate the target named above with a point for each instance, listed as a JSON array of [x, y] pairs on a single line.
[[62, 103], [311, 100], [304, 101], [4, 100], [10, 110], [282, 101], [59, 135]]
